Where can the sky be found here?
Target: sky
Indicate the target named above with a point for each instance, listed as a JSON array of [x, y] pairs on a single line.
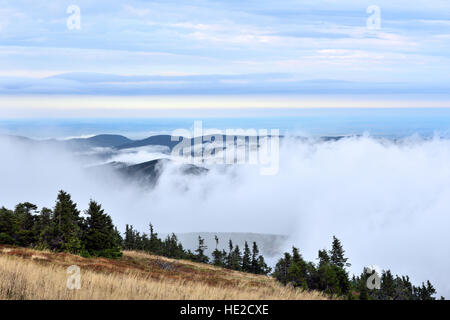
[[216, 48]]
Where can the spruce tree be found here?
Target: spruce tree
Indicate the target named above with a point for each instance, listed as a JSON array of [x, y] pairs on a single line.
[[405, 290], [246, 259], [255, 262], [332, 273], [343, 281], [128, 242], [101, 236], [172, 249], [387, 285], [311, 278], [230, 255], [200, 256], [282, 268], [263, 267], [218, 256], [323, 257], [296, 273], [337, 254], [45, 228], [428, 291], [360, 284], [67, 223], [25, 219], [236, 259], [155, 244], [7, 226], [326, 278]]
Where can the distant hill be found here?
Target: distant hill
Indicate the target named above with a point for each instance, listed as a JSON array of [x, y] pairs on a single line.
[[15, 139], [101, 140], [161, 140], [120, 142], [166, 140], [147, 173]]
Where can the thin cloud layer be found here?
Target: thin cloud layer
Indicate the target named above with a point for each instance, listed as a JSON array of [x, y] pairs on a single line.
[[309, 39], [274, 83]]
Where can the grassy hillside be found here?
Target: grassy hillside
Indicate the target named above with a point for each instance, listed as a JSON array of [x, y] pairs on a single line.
[[31, 274]]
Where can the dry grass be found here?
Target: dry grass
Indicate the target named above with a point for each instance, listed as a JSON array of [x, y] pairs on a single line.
[[30, 274]]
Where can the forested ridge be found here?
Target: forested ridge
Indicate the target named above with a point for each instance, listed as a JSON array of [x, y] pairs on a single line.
[[92, 234]]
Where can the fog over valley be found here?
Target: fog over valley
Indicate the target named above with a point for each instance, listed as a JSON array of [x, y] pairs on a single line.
[[387, 200]]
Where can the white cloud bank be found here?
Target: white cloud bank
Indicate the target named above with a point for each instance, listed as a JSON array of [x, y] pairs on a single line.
[[388, 202]]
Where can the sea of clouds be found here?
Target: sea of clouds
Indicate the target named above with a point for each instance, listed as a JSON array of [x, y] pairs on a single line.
[[388, 201]]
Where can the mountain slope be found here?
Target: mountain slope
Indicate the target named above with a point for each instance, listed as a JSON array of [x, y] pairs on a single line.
[[30, 274]]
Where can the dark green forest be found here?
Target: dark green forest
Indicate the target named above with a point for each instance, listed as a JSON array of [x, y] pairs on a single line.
[[170, 247], [93, 234], [330, 275]]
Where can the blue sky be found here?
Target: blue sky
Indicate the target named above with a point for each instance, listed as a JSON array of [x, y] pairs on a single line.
[[224, 47]]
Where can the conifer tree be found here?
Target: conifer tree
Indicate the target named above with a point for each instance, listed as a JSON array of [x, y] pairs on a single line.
[[263, 267], [282, 268], [230, 254], [387, 285], [67, 223], [337, 254], [360, 284], [7, 226], [255, 262], [128, 243], [246, 259], [101, 236], [236, 259], [145, 243], [332, 276], [343, 281], [218, 256], [45, 228], [155, 244], [24, 219], [118, 238], [323, 257], [405, 288], [173, 249], [427, 291], [200, 256], [326, 277], [296, 273], [311, 278]]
